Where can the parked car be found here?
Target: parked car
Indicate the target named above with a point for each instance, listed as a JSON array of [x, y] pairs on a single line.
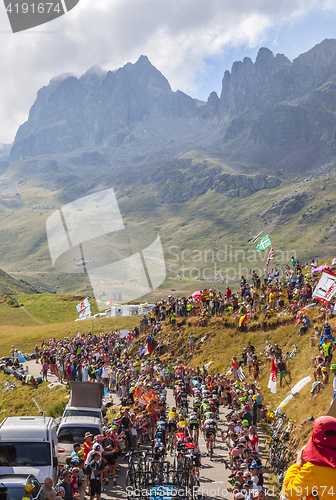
[[12, 486]]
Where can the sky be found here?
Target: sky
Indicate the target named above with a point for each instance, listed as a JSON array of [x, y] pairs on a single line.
[[192, 42]]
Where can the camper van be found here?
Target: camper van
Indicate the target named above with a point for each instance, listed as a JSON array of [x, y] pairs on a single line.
[[29, 445]]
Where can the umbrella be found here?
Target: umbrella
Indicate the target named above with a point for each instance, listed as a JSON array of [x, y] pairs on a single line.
[[197, 295], [322, 268]]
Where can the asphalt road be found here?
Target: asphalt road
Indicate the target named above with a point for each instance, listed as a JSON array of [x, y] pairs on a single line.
[[213, 475]]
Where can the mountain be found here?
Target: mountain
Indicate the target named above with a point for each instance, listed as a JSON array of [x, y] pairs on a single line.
[[277, 109], [202, 174]]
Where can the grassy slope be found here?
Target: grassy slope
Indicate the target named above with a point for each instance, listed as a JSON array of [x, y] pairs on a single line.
[[210, 221], [19, 401], [9, 285]]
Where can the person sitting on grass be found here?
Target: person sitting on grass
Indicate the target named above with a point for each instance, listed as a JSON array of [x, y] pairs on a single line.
[[305, 326], [315, 390], [316, 336]]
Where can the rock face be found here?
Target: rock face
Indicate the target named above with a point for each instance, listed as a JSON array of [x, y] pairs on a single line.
[[97, 109], [271, 112], [272, 79], [291, 204]]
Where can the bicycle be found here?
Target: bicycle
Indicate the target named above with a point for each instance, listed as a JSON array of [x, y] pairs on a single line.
[[211, 439], [194, 435], [293, 352], [171, 442], [266, 348], [8, 386]]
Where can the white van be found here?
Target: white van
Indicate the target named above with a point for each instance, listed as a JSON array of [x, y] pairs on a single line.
[[72, 430], [29, 445]]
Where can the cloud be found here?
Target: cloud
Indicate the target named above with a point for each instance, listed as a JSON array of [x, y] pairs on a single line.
[[178, 36]]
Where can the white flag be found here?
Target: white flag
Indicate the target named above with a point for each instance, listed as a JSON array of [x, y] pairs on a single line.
[[86, 312], [240, 374], [83, 305]]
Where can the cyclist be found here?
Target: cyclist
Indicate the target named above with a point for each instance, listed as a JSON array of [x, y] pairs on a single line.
[[160, 432], [205, 407], [194, 423], [162, 406], [172, 421], [181, 438], [182, 423], [210, 427], [194, 450], [197, 406], [184, 399], [159, 451]]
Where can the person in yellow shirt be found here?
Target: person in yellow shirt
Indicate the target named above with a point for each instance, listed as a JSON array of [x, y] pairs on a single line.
[[28, 491], [172, 421], [313, 477], [272, 299], [182, 424]]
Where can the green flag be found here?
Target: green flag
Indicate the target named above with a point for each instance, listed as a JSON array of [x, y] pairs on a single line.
[[264, 243]]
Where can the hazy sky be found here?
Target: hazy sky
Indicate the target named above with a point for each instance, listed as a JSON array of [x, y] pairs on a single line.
[[192, 42]]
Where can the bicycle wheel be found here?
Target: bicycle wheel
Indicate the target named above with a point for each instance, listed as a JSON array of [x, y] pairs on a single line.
[[130, 478], [292, 354]]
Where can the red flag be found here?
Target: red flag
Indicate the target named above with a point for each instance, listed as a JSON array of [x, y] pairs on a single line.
[[273, 377]]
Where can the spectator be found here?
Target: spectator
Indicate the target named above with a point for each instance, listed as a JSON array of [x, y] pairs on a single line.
[[47, 491], [65, 483], [306, 325], [282, 367], [316, 463]]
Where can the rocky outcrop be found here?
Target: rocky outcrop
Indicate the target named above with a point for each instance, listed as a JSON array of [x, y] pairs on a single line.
[[243, 185], [98, 108], [289, 205], [256, 87]]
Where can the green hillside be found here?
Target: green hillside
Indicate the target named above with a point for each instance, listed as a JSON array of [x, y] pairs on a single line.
[[204, 239], [9, 285]]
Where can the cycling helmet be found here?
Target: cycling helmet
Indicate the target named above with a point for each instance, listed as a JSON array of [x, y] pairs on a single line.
[[173, 409], [190, 445], [162, 419]]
